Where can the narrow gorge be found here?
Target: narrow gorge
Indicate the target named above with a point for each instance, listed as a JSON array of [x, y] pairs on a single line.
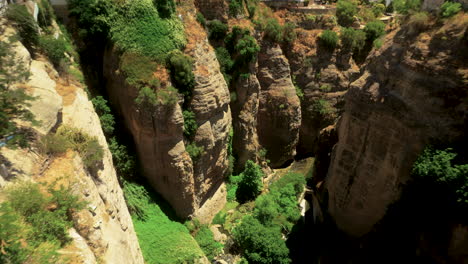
[[233, 131]]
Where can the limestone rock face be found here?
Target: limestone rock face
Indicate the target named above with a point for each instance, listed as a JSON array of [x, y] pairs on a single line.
[[245, 110], [411, 91], [158, 136], [210, 104], [279, 112]]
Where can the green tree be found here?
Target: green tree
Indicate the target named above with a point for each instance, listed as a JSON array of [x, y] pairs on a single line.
[[190, 124], [247, 48], [329, 39], [374, 30], [439, 166], [345, 12], [217, 30], [352, 39], [235, 7], [260, 244], [14, 103], [105, 114], [181, 66], [251, 184], [123, 161]]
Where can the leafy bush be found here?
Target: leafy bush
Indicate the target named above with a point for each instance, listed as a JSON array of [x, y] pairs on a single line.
[[299, 92], [124, 162], [260, 244], [167, 96], [231, 187], [46, 14], [190, 124], [91, 16], [201, 19], [194, 151], [53, 144], [273, 30], [217, 30], [205, 239], [219, 219], [378, 9], [449, 9], [235, 7], [180, 67], [54, 49], [345, 12], [104, 113], [366, 14], [329, 39], [165, 7], [138, 69], [26, 26], [321, 107], [247, 48], [225, 62], [325, 88], [88, 147], [162, 240], [439, 166], [374, 30], [352, 39], [146, 97], [251, 184], [406, 6], [289, 35], [418, 21]]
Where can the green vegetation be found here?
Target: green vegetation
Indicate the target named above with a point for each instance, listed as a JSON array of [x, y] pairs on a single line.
[[321, 107], [146, 97], [201, 19], [277, 33], [374, 30], [124, 163], [194, 151], [25, 25], [418, 21], [162, 240], [260, 244], [443, 168], [235, 7], [299, 92], [180, 67], [378, 9], [406, 6], [46, 14], [345, 12], [165, 7], [138, 69], [30, 232], [325, 88], [54, 49], [449, 9], [190, 124], [250, 185], [225, 62], [232, 186], [205, 239], [352, 39], [329, 39], [14, 103], [247, 48], [217, 30], [104, 113]]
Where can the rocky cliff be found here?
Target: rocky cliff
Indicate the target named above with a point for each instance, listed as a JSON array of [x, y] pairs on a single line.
[[158, 132], [411, 91], [104, 231]]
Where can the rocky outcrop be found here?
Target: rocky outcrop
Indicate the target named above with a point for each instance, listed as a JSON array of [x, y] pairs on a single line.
[[158, 132], [279, 112], [245, 110], [104, 231], [412, 90]]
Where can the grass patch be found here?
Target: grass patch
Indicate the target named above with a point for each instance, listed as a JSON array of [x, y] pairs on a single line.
[[162, 240]]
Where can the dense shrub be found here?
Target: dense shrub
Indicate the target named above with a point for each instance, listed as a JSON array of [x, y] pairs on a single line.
[[217, 30], [235, 7], [180, 67], [232, 186], [247, 48], [378, 9], [104, 113], [165, 7], [46, 14], [190, 124], [88, 147], [138, 69], [406, 6], [54, 49], [162, 240], [297, 180], [345, 12], [53, 144], [91, 16], [124, 162], [329, 39], [225, 62], [289, 34], [260, 244], [374, 30], [201, 19], [194, 151], [205, 239], [250, 185], [352, 39], [273, 30], [321, 107], [440, 166], [26, 26], [449, 9], [167, 96]]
